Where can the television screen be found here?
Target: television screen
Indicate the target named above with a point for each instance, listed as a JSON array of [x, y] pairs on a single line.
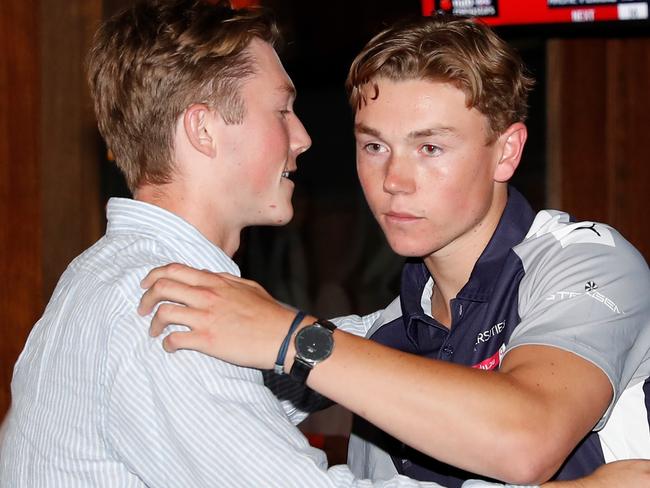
[[523, 12]]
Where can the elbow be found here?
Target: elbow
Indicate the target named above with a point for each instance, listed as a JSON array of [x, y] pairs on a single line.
[[530, 471], [531, 461]]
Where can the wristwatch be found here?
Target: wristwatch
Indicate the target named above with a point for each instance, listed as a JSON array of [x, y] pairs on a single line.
[[314, 344]]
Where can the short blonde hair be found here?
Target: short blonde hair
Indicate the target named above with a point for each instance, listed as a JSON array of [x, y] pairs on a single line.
[[149, 62], [451, 49]]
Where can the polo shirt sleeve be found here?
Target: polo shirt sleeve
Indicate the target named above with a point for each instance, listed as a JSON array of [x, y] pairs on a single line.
[[585, 290]]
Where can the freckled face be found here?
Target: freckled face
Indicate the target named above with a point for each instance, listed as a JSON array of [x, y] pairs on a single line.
[[425, 168], [259, 152]]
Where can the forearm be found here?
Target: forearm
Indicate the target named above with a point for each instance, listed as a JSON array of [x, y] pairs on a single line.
[[473, 409], [540, 404]]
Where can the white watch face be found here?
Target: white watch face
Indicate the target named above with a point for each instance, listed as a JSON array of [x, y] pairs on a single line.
[[314, 343]]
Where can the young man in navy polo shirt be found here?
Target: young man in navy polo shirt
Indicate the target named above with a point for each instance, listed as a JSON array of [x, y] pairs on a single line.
[[518, 347]]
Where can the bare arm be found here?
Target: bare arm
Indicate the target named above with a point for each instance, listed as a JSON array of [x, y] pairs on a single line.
[[537, 408]]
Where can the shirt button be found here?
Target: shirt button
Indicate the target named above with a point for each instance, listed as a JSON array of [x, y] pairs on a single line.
[[448, 350]]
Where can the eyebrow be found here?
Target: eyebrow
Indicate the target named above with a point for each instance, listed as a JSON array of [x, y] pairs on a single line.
[[416, 134], [364, 129], [288, 89], [433, 131]]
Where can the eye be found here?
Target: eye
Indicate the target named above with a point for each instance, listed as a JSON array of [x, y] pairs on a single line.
[[285, 112], [374, 148], [430, 150]]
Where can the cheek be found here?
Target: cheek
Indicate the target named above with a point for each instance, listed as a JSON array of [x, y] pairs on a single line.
[[270, 151], [258, 186], [470, 192], [465, 175]]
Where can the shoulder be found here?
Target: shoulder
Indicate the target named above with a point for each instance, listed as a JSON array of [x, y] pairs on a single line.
[[555, 244], [584, 290], [117, 265]]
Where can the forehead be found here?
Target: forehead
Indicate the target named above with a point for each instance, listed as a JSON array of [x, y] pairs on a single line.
[[269, 74], [406, 106]]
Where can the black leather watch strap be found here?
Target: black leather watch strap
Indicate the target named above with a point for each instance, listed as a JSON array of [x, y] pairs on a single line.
[[300, 371], [302, 366], [326, 323]]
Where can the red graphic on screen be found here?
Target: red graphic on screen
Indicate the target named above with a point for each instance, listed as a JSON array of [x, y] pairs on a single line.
[[518, 12], [446, 5]]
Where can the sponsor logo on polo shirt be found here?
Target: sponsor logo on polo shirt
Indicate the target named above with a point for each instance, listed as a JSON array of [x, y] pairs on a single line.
[[493, 361], [488, 334], [568, 233], [584, 233], [591, 291]]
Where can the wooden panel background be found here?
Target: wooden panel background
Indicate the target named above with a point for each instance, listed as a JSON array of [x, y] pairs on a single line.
[[20, 190], [598, 128], [49, 159], [72, 150]]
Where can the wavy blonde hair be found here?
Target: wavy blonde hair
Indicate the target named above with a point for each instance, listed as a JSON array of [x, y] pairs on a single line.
[[450, 49]]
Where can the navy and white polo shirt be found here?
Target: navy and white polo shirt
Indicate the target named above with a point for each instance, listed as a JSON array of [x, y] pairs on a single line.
[[542, 279]]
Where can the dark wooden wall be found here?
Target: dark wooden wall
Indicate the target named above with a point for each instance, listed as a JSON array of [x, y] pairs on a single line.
[[598, 132], [20, 181], [49, 159], [72, 151]]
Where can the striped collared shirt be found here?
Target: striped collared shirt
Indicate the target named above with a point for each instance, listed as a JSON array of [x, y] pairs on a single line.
[[97, 402]]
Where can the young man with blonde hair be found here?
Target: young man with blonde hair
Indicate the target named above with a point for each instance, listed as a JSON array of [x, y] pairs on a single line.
[[519, 344], [198, 111]]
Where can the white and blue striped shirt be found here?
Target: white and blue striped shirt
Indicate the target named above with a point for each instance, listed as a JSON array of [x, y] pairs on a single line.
[[97, 402]]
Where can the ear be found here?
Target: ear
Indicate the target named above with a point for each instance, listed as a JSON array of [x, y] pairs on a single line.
[[198, 125], [511, 142]]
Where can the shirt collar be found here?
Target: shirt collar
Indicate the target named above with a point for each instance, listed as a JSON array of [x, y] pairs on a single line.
[[134, 217], [515, 221]]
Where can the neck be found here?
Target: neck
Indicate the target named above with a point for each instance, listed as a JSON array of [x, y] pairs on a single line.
[[452, 265], [184, 203]]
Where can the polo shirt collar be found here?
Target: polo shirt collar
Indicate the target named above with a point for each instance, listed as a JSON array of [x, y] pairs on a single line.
[[512, 228]]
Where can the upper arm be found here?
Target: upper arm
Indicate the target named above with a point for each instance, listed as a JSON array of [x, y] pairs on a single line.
[[583, 332], [570, 393], [586, 296]]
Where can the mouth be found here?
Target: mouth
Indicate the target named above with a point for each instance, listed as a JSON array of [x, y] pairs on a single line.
[[401, 217], [288, 173]]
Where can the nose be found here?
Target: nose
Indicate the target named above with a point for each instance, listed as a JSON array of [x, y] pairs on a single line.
[[399, 176], [299, 138]]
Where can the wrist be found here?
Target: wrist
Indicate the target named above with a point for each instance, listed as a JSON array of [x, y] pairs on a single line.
[[314, 344], [291, 350], [282, 351]]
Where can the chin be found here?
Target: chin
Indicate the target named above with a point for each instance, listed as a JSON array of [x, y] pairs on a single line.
[[410, 249], [281, 217]]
